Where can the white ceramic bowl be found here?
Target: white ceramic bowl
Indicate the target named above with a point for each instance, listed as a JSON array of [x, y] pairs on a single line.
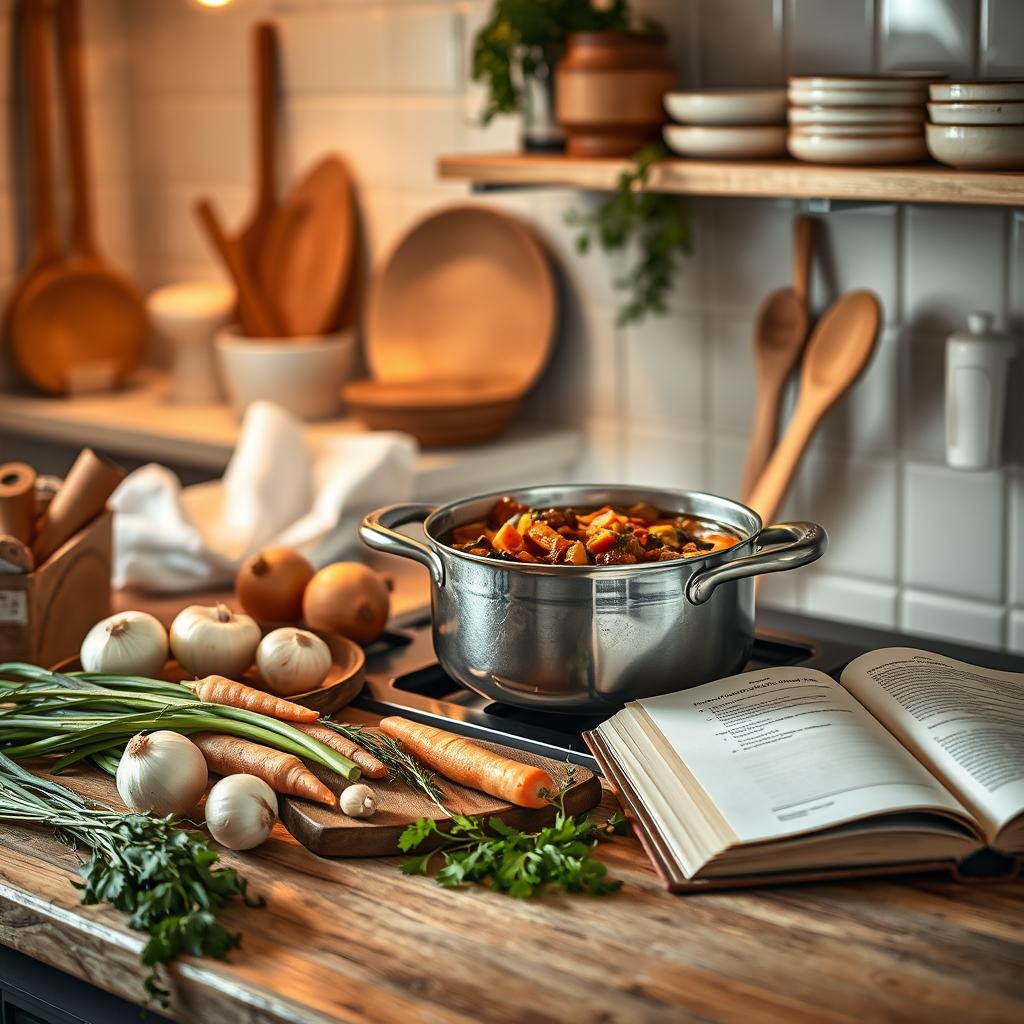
[[856, 115], [977, 113], [726, 143], [978, 147], [304, 375], [921, 79], [861, 131], [976, 92], [727, 106], [894, 95], [807, 144]]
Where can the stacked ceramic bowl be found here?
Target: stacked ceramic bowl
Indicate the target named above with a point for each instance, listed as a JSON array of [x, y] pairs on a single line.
[[977, 125], [727, 124], [867, 119]]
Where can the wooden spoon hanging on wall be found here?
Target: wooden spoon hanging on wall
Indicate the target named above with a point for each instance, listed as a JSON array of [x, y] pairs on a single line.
[[779, 336], [79, 323], [838, 351]]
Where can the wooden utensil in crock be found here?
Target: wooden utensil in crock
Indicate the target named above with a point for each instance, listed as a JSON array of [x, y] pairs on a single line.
[[306, 263], [79, 322], [837, 353], [609, 90]]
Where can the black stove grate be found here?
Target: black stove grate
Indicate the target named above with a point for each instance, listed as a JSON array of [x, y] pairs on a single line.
[[404, 678]]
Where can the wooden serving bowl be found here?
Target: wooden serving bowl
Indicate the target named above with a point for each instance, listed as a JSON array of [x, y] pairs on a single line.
[[341, 685], [439, 413]]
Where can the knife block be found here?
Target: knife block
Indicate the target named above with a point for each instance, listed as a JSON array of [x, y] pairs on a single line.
[[44, 615]]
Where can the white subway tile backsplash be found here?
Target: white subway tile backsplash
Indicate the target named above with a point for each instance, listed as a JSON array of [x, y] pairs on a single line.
[[426, 49], [923, 384], [725, 472], [1002, 38], [850, 600], [952, 532], [1015, 554], [665, 371], [741, 42], [856, 501], [733, 383], [339, 51], [1016, 638], [954, 264], [952, 618], [856, 249], [655, 457], [783, 590], [830, 36], [602, 457], [939, 35]]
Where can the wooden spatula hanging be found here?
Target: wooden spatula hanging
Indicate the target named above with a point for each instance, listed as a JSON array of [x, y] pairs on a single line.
[[779, 335], [838, 351]]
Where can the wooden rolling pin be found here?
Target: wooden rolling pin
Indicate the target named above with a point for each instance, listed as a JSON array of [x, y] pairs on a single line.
[[82, 497], [18, 501]]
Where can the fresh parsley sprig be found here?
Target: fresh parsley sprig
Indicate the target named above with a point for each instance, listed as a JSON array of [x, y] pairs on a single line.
[[506, 859], [166, 879]]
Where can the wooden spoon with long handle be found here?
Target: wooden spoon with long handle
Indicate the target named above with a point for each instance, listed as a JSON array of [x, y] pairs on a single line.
[[779, 336], [253, 234], [838, 351], [45, 243], [80, 324]]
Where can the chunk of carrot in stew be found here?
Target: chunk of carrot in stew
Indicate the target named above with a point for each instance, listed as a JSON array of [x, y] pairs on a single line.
[[601, 541], [508, 538], [577, 554]]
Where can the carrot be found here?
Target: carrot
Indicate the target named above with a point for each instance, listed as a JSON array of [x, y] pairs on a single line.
[[219, 690], [464, 762], [371, 767], [284, 773]]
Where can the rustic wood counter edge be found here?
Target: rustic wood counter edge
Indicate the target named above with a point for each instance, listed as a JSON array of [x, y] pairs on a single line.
[[356, 941]]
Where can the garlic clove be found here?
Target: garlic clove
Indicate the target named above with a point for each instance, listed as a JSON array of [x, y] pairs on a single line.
[[358, 801]]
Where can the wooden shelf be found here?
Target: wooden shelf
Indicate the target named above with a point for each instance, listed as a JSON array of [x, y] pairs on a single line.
[[784, 179]]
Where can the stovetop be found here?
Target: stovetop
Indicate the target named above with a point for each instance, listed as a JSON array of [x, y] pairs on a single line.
[[403, 677]]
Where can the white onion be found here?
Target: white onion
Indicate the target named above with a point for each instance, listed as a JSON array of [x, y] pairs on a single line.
[[292, 661], [241, 811], [214, 641], [126, 644], [163, 772]]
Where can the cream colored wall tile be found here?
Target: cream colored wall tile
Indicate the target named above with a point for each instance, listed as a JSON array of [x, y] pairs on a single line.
[[952, 618], [655, 457], [849, 600]]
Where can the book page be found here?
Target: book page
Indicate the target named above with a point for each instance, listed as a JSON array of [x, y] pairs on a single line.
[[782, 751], [964, 722]]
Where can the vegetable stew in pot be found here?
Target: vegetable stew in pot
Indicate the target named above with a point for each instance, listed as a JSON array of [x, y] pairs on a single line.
[[603, 536]]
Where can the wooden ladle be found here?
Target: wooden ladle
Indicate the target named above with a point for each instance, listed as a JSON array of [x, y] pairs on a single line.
[[779, 337], [838, 351], [79, 322]]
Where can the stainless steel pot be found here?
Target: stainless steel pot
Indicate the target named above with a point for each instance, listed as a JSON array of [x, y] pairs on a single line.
[[585, 639]]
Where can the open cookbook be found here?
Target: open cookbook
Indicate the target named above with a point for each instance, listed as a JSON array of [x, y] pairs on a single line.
[[911, 762]]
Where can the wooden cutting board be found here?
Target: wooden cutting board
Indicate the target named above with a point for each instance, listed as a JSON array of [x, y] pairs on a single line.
[[330, 833]]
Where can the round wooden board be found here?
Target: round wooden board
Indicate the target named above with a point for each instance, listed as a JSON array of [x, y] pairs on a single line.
[[330, 833]]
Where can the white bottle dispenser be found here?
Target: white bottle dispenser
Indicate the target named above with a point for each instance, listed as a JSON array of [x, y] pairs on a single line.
[[977, 361]]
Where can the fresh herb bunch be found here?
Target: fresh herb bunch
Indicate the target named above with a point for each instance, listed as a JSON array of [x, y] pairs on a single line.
[[508, 860], [657, 223], [398, 761], [519, 33], [164, 878]]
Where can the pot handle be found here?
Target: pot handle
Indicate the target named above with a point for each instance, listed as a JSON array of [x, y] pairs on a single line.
[[379, 530], [782, 546]]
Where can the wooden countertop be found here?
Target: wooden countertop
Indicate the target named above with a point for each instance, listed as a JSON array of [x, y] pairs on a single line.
[[354, 940]]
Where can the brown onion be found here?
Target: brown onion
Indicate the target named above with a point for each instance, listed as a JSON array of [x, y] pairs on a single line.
[[349, 599], [270, 584]]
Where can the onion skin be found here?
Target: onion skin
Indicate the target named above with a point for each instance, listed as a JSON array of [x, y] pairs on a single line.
[[347, 598], [144, 655], [162, 772], [291, 661], [270, 585], [241, 811]]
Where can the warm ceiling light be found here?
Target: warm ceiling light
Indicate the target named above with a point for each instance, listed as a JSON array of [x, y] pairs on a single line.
[[210, 3]]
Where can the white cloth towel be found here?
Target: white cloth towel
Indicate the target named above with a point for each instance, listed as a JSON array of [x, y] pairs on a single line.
[[277, 490]]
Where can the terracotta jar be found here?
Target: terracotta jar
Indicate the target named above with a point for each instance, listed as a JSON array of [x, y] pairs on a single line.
[[609, 91]]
